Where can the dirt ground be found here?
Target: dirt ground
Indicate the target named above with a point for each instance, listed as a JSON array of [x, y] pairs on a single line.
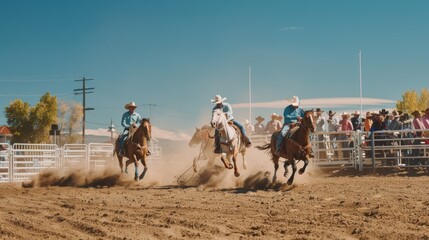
[[334, 204]]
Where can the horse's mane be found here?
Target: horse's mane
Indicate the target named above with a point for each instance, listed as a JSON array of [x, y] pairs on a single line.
[[145, 120], [206, 126]]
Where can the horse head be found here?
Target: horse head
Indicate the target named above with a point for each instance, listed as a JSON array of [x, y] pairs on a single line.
[[308, 121], [218, 118], [147, 128], [196, 138]]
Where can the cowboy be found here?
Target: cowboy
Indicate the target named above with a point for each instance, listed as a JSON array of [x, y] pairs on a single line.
[[395, 124], [356, 121], [249, 127], [368, 121], [425, 118], [259, 126], [292, 114], [227, 109], [274, 125], [417, 122], [320, 127], [130, 119], [332, 128], [385, 113]]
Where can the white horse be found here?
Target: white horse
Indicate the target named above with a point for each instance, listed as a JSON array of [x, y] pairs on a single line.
[[230, 139]]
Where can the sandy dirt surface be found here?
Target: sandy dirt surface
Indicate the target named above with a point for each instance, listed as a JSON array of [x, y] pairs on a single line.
[[338, 204], [324, 207]]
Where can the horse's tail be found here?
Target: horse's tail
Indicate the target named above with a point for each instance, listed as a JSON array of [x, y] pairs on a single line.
[[264, 147]]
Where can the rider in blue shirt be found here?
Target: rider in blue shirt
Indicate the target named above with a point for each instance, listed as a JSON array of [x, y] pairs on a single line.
[[129, 119], [227, 109], [292, 114]]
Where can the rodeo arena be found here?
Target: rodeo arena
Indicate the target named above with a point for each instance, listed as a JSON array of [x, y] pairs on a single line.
[[360, 184]]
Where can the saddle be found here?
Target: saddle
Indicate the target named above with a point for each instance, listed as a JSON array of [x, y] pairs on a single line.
[[286, 139]]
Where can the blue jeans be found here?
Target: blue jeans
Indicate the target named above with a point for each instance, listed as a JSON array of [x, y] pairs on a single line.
[[122, 139], [281, 136], [243, 131]]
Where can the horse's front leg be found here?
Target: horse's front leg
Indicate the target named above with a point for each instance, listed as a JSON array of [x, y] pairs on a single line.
[[234, 160], [136, 166], [227, 165], [290, 180], [128, 162], [276, 167], [302, 170], [143, 160], [121, 164]]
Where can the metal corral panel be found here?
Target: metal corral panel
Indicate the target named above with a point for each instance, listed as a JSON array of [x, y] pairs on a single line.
[[74, 156], [100, 155], [30, 159], [5, 163]]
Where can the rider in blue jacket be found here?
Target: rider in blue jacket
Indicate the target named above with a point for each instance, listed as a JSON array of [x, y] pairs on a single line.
[[292, 114], [227, 109], [129, 119]]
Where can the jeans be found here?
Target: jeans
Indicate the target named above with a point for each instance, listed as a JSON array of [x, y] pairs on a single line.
[[243, 131], [281, 136]]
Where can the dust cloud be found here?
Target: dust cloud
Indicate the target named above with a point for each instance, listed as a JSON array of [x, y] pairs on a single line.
[[176, 168]]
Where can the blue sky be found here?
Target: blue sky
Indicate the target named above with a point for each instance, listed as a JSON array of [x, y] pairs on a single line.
[[179, 54]]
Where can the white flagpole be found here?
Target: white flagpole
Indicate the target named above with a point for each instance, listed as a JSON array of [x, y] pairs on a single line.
[[360, 82], [250, 94]]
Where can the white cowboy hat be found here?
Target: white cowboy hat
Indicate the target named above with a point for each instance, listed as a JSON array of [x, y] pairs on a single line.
[[274, 115], [345, 114], [218, 99], [131, 104], [356, 113], [246, 121], [295, 101]]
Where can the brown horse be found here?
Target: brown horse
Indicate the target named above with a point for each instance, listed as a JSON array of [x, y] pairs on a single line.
[[297, 147], [204, 137], [136, 148]]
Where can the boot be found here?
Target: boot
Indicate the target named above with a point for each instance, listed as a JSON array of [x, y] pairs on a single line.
[[247, 142], [218, 148]]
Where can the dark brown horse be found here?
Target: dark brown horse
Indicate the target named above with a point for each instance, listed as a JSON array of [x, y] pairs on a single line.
[[136, 148], [297, 147]]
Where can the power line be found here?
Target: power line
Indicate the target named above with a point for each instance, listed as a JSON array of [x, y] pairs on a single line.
[[83, 91]]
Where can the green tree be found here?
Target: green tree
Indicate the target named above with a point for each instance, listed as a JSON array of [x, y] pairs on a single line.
[[70, 121], [31, 124], [412, 101]]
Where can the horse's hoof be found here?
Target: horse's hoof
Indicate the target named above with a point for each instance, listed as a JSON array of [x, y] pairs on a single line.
[[126, 170], [237, 174], [229, 166], [285, 174], [244, 167], [289, 182], [301, 171], [136, 178]]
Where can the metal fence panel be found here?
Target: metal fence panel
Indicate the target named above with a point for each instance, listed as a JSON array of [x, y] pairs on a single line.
[[74, 156], [30, 159], [100, 155], [5, 163]]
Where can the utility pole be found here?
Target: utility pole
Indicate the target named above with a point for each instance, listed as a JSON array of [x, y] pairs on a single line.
[[83, 91], [150, 108]]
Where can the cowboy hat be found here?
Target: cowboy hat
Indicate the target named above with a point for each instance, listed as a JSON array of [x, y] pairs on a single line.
[[131, 104], [318, 110], [415, 113], [295, 101], [383, 111], [345, 114], [274, 115], [330, 113], [246, 121], [368, 114], [395, 114], [259, 118], [356, 113], [218, 99]]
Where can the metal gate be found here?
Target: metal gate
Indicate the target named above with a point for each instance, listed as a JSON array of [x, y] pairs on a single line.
[[74, 156], [30, 159], [5, 163], [100, 155]]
